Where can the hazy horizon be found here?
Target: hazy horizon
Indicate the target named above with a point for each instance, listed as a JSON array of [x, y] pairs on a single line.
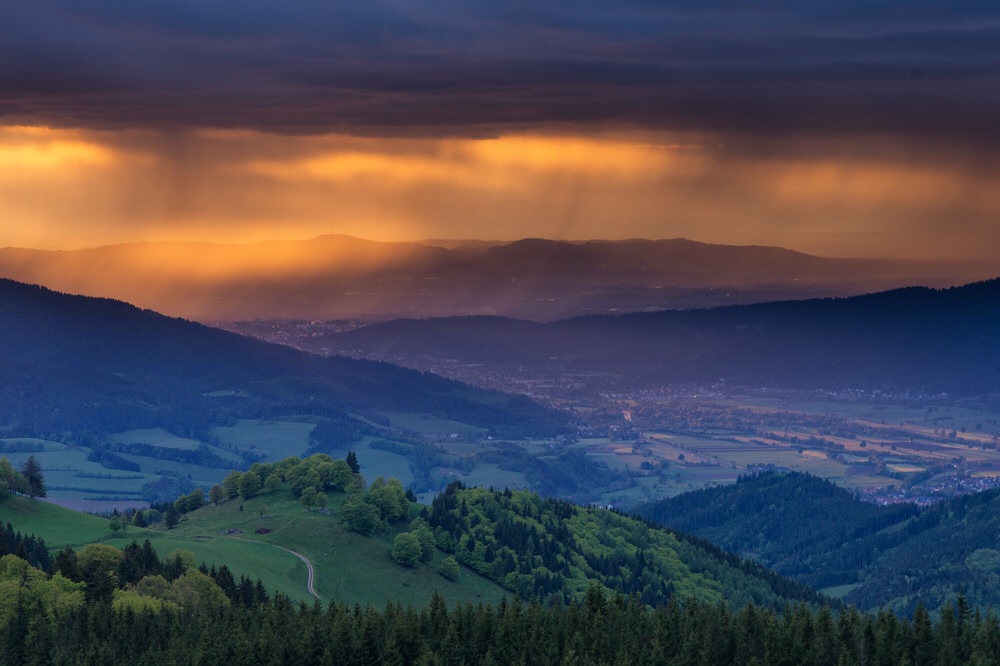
[[458, 242], [339, 276], [836, 130]]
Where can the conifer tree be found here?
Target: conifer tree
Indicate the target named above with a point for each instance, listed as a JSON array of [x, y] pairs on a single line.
[[65, 563], [31, 470], [923, 636], [391, 654], [171, 516]]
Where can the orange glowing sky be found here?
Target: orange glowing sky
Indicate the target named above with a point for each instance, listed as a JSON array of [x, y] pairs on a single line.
[[835, 128], [62, 189]]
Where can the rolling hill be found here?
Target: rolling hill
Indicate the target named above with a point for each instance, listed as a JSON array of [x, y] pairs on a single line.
[[547, 548], [907, 340], [348, 567], [593, 545], [813, 531], [173, 613], [109, 364], [110, 391]]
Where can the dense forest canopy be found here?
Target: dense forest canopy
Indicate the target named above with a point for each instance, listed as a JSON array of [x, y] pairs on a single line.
[[544, 548], [203, 618], [800, 525], [813, 531]]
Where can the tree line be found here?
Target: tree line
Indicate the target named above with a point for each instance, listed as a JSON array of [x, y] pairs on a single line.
[[57, 621], [28, 481]]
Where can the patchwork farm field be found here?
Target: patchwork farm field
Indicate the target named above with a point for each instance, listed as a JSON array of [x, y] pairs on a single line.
[[427, 423], [279, 439], [865, 445], [633, 450]]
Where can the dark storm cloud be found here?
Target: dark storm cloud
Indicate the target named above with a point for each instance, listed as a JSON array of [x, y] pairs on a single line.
[[917, 68]]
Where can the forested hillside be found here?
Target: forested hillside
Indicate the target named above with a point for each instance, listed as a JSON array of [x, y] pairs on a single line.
[[813, 531], [678, 600], [94, 365], [549, 549], [799, 525], [534, 547], [951, 546]]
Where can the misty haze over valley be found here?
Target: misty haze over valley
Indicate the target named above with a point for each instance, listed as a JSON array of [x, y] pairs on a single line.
[[476, 333]]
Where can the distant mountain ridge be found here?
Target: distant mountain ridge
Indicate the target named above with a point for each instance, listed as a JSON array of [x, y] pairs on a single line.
[[913, 339], [336, 276]]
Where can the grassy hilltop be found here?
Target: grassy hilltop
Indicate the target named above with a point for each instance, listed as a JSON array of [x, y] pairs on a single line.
[[348, 566], [509, 543]]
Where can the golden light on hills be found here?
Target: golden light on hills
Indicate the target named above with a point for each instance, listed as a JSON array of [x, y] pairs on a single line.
[[872, 197]]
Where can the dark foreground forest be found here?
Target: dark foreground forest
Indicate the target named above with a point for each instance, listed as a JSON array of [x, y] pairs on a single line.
[[603, 629]]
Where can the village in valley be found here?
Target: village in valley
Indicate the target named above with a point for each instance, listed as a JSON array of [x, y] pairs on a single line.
[[660, 441]]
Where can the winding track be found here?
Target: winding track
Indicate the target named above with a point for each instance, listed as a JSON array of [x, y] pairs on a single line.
[[309, 566]]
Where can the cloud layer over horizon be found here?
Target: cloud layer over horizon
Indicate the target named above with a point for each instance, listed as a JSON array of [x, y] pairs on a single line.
[[839, 128], [920, 69]]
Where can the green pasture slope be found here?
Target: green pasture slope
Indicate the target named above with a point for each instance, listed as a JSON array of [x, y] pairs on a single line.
[[58, 526], [61, 527], [348, 566]]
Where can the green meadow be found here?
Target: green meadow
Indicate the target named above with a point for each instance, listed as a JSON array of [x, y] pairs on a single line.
[[348, 566], [427, 423], [276, 439]]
